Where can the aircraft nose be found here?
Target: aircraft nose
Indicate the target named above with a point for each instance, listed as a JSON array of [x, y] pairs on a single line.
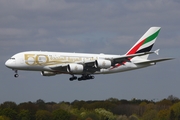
[[9, 63]]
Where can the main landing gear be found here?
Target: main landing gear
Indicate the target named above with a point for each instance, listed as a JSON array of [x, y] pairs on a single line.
[[83, 77], [16, 73], [72, 78]]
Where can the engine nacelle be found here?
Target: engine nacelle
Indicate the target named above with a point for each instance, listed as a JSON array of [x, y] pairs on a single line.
[[101, 63], [47, 73], [75, 68]]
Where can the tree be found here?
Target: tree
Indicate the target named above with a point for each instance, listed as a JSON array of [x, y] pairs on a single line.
[[163, 114], [24, 115], [12, 114], [150, 115], [61, 105], [112, 100], [172, 115], [41, 104], [4, 118], [142, 108], [89, 118], [122, 117], [75, 112], [90, 115], [78, 104], [133, 117], [85, 114], [60, 115], [9, 104], [172, 98], [105, 114], [43, 115], [150, 106], [176, 109], [31, 107]]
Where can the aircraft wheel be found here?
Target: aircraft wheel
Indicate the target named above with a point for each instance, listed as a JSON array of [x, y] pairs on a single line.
[[92, 77], [70, 79], [16, 75], [80, 79], [73, 78]]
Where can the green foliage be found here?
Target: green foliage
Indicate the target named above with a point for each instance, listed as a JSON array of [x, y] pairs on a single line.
[[164, 114], [8, 104], [150, 106], [105, 114], [24, 115], [4, 118], [164, 102], [175, 110], [90, 115], [173, 99], [133, 117], [122, 117], [110, 109], [150, 115], [172, 115], [32, 107], [43, 115], [8, 112], [60, 115], [41, 104]]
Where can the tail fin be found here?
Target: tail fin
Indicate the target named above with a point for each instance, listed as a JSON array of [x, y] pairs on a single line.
[[146, 42]]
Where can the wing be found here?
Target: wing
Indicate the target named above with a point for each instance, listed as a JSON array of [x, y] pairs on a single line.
[[153, 61], [89, 66]]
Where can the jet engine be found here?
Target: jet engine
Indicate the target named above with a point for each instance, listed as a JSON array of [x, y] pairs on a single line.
[[75, 68], [47, 73], [101, 63]]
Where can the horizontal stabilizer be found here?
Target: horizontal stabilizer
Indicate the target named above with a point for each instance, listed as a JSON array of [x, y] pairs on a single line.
[[154, 61], [157, 51]]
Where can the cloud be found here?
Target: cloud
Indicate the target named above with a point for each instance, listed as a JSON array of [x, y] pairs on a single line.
[[93, 26], [35, 22], [13, 32]]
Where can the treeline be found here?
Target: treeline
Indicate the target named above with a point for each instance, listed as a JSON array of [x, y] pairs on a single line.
[[110, 109]]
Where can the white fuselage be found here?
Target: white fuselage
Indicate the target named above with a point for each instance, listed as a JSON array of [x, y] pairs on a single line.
[[43, 61]]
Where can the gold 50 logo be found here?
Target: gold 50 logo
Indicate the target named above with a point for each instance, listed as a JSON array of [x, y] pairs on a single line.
[[35, 59]]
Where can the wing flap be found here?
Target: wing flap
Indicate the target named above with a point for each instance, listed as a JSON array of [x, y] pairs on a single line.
[[154, 61]]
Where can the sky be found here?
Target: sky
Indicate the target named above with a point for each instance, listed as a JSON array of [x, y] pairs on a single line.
[[90, 26]]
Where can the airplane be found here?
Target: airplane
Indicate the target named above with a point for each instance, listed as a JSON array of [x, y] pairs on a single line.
[[87, 65]]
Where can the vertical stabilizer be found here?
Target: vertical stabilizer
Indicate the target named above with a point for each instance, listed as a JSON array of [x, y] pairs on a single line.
[[146, 42]]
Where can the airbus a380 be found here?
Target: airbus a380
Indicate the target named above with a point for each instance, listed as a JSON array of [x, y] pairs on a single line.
[[86, 65]]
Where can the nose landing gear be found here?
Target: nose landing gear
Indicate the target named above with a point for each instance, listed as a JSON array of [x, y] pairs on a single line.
[[16, 73]]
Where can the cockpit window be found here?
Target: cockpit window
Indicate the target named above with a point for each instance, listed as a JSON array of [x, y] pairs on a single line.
[[12, 58]]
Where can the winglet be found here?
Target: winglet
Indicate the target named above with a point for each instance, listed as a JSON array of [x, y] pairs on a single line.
[[157, 51]]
